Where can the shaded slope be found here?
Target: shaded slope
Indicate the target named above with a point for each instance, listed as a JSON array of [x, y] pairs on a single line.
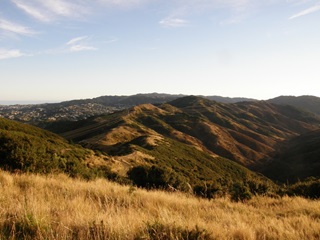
[[246, 132], [192, 138], [309, 103], [150, 136], [296, 159]]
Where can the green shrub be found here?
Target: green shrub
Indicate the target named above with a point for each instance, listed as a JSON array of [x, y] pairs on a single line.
[[240, 192], [208, 190], [154, 177], [310, 188]]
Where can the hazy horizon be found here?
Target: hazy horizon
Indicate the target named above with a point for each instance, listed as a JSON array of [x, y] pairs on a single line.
[[62, 49], [34, 102]]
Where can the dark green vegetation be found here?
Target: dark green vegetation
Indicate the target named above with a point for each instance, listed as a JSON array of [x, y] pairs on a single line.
[[182, 167], [29, 149], [189, 144], [297, 159], [309, 188]]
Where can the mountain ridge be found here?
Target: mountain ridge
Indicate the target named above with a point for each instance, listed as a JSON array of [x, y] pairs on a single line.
[[189, 142], [74, 110], [247, 132]]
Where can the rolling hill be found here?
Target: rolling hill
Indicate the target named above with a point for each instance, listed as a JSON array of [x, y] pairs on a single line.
[[307, 103], [193, 133], [75, 110], [127, 151], [187, 143], [244, 132]]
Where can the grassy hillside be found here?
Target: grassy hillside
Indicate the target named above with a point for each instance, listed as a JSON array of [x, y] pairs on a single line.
[[247, 133], [160, 139], [57, 207], [189, 142], [30, 149]]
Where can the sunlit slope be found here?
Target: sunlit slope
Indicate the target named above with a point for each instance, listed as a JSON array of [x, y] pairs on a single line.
[[145, 137], [57, 207], [246, 132], [194, 138], [30, 149]]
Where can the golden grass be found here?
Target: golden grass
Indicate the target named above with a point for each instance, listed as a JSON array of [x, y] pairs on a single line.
[[58, 207]]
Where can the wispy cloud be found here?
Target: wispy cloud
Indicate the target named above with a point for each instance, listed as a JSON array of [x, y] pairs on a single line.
[[79, 44], [111, 40], [13, 53], [234, 11], [50, 10], [32, 10], [53, 10], [15, 28], [310, 10], [124, 3], [173, 22]]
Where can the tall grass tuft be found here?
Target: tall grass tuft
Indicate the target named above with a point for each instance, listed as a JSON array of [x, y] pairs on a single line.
[[58, 207]]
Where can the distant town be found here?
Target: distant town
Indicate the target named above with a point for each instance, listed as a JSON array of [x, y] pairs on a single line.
[[54, 112]]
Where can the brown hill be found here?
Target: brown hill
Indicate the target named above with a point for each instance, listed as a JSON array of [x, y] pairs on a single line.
[[246, 132], [308, 103]]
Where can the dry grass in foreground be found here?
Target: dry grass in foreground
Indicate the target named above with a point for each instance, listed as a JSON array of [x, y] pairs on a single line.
[[58, 207]]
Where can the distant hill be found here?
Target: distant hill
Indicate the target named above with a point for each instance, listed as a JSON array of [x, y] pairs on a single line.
[[144, 98], [188, 142], [309, 103], [74, 110], [228, 99], [296, 159], [126, 101], [194, 138]]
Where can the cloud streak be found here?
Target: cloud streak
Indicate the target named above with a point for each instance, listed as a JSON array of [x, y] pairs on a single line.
[[15, 28], [79, 44], [13, 53], [305, 12], [173, 22], [234, 11], [124, 3], [51, 10]]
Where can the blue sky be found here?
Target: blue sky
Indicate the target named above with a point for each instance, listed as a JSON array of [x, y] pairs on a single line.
[[54, 50]]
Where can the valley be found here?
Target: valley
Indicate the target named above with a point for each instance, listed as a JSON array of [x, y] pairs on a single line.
[[191, 143], [176, 169]]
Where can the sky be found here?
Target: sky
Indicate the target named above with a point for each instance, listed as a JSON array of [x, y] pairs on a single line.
[[56, 50]]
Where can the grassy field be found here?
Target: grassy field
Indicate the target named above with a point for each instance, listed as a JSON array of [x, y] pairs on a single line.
[[58, 207]]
